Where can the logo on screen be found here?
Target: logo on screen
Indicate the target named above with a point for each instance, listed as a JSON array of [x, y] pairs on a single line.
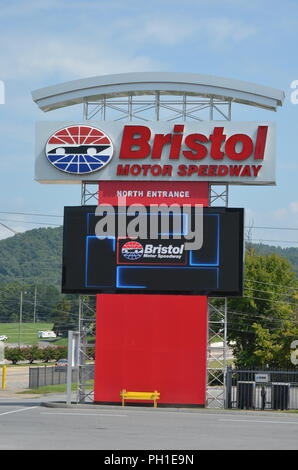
[[132, 250], [79, 149]]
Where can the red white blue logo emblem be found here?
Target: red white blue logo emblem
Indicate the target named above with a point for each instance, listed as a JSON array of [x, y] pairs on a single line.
[[79, 149], [132, 250]]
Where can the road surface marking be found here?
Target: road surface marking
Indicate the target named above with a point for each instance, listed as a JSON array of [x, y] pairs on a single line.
[[84, 414], [260, 421], [18, 411]]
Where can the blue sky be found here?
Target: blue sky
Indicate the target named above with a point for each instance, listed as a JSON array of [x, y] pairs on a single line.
[[47, 42]]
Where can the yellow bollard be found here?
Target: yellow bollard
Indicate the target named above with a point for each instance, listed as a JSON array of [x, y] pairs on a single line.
[[4, 377]]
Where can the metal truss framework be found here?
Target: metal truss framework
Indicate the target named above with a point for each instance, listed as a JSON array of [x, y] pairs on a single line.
[[217, 327], [217, 353], [159, 107], [157, 83], [218, 195], [89, 193], [86, 329]]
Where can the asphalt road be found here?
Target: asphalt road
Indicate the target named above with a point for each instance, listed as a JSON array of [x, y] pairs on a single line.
[[24, 424]]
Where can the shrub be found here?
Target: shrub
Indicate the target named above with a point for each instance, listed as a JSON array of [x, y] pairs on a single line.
[[61, 352], [32, 353], [48, 354], [14, 355]]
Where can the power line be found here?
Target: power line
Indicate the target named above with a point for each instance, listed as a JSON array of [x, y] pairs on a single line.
[[253, 332], [262, 317], [9, 228], [29, 222], [31, 214], [268, 292], [270, 228], [270, 300], [61, 216], [269, 283], [272, 241]]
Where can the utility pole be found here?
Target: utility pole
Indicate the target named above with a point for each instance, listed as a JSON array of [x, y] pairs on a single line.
[[34, 307]]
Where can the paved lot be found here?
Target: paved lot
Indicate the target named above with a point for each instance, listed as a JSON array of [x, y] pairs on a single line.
[[24, 424], [17, 378]]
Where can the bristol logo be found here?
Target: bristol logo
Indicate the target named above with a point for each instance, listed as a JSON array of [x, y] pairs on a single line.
[[132, 250], [79, 149]]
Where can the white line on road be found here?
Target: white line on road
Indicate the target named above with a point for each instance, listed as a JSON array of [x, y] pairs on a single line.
[[259, 421], [85, 414], [18, 411]]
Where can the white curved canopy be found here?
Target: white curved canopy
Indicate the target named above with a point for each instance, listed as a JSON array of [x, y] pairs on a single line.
[[148, 83]]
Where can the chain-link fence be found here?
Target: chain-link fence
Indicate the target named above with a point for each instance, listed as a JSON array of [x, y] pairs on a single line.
[[56, 375]]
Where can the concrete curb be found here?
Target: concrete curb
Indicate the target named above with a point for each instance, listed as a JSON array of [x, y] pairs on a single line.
[[128, 408]]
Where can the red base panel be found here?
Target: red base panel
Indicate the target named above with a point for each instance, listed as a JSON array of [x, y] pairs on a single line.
[[151, 342]]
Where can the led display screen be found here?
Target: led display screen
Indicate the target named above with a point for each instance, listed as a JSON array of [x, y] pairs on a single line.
[[116, 262]]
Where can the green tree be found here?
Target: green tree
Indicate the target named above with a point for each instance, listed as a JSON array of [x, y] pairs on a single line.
[[262, 323], [273, 348], [10, 299], [33, 257], [63, 317]]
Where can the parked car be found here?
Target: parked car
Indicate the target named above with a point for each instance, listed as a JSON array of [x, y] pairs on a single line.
[[3, 338], [46, 334], [61, 365]]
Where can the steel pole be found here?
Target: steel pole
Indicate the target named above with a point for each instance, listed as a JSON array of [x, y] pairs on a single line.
[[20, 318], [69, 367]]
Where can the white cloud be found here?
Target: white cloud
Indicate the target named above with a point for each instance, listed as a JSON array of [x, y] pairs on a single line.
[[280, 213], [164, 31], [67, 58], [174, 30], [287, 213], [294, 207], [224, 29], [95, 46]]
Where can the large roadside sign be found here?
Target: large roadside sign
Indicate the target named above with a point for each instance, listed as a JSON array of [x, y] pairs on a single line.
[[241, 153], [165, 264]]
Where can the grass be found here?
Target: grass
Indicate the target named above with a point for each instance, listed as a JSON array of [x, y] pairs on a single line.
[[28, 332], [213, 364], [56, 388]]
